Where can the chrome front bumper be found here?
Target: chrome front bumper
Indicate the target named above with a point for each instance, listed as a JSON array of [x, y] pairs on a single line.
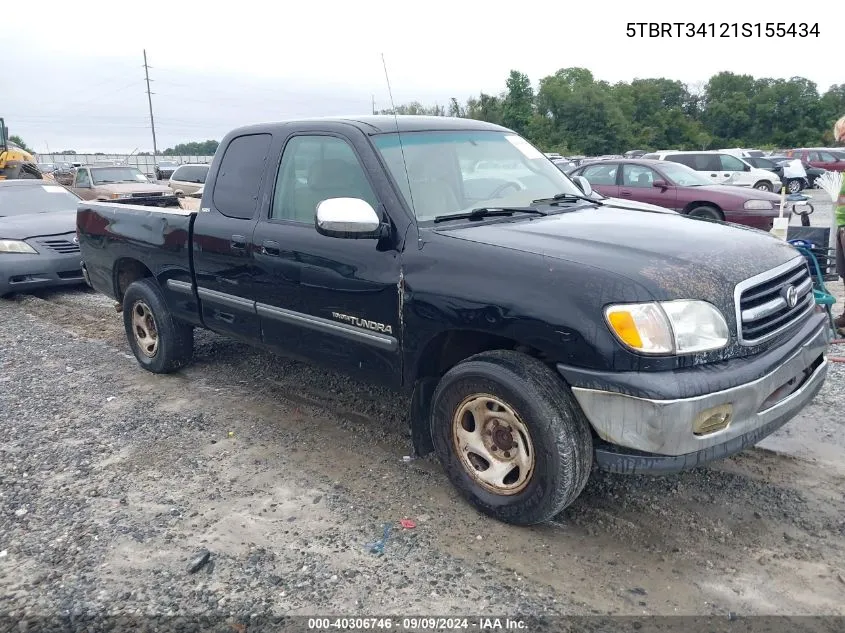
[[665, 427]]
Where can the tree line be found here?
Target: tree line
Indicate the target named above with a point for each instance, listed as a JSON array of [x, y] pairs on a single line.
[[572, 113]]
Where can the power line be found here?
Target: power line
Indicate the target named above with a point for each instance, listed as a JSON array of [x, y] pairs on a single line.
[[150, 100]]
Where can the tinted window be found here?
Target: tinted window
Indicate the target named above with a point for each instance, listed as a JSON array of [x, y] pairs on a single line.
[[239, 177], [762, 163], [813, 156], [191, 173], [638, 176], [313, 169], [698, 162], [600, 174], [731, 163], [827, 157]]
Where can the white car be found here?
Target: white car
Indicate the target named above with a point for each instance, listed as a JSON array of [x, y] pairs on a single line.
[[722, 168], [188, 178]]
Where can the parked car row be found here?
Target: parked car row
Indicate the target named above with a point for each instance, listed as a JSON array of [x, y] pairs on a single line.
[[675, 186]]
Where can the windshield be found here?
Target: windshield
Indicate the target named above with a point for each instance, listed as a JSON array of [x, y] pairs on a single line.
[[36, 199], [684, 176], [105, 175], [452, 172]]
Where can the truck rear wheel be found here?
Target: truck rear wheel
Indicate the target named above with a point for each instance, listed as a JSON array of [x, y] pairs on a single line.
[[511, 436], [160, 343]]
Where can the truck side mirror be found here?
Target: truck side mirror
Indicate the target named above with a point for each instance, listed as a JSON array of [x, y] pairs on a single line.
[[584, 185], [350, 218]]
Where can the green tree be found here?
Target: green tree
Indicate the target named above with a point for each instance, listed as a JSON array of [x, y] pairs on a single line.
[[518, 102], [202, 148], [17, 140]]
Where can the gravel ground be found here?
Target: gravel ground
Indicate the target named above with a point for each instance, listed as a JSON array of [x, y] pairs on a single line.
[[112, 480]]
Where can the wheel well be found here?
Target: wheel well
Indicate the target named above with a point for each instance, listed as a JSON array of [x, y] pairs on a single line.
[[703, 203], [447, 349], [125, 272]]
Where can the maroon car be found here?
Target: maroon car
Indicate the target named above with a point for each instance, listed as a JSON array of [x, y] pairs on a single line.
[[821, 158], [682, 189]]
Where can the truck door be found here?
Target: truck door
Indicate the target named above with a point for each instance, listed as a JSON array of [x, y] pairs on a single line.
[[327, 299], [222, 254]]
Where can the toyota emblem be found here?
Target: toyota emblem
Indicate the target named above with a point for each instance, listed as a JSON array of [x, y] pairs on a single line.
[[791, 296]]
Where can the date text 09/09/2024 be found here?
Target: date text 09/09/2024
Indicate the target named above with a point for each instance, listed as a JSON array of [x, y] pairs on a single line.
[[722, 29], [419, 623]]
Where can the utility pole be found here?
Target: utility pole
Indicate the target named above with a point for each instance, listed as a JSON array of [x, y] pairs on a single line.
[[374, 103], [150, 100]]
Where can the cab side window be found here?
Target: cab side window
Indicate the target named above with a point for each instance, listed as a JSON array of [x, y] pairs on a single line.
[[313, 169], [238, 181], [83, 178]]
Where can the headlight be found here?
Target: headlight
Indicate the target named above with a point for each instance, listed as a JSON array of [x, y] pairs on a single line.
[[118, 196], [758, 204], [16, 246], [668, 327]]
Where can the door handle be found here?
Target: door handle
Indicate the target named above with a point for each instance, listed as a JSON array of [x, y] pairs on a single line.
[[238, 243], [270, 247], [625, 193], [712, 175]]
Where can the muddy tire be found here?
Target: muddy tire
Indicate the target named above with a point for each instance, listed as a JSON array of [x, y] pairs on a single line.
[[511, 436], [161, 344], [706, 212]]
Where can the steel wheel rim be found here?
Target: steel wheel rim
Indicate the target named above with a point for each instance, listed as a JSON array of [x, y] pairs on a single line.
[[144, 329], [493, 444]]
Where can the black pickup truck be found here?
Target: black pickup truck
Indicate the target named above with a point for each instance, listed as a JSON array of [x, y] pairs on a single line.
[[540, 328]]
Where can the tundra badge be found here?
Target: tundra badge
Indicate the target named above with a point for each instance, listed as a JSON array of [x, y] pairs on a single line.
[[370, 325]]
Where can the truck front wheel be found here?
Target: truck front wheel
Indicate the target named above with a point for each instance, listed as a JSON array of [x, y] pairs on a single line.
[[160, 343], [511, 436]]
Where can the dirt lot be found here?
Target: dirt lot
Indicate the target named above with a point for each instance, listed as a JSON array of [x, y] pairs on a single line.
[[111, 479]]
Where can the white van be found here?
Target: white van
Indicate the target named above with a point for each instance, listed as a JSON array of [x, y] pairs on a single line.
[[188, 178], [723, 168]]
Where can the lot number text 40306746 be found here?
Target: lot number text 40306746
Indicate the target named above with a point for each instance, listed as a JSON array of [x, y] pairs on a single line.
[[722, 29]]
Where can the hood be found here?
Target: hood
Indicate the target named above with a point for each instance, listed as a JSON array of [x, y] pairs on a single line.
[[132, 187], [671, 255], [22, 227], [762, 174]]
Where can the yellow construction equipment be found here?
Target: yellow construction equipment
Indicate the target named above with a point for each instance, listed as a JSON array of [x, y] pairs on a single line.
[[15, 162]]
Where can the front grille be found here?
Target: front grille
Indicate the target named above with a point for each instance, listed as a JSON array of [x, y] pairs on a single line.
[[148, 195], [763, 302], [64, 247]]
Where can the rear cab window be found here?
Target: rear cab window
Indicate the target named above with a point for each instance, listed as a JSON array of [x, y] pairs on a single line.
[[238, 182]]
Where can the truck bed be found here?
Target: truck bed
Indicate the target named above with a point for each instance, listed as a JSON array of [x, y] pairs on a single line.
[[113, 235]]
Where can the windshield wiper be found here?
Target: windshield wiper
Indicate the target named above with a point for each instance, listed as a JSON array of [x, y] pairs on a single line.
[[487, 212], [560, 198]]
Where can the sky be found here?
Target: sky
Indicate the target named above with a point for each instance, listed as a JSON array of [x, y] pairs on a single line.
[[75, 79]]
